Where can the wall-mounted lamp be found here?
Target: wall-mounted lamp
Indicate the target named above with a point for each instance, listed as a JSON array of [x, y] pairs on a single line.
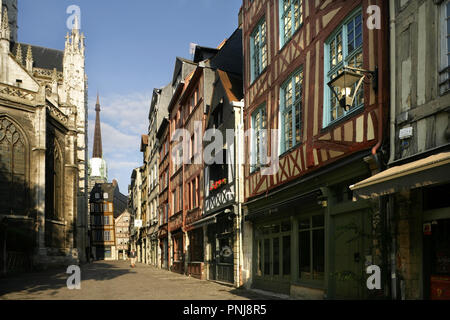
[[345, 81], [322, 201]]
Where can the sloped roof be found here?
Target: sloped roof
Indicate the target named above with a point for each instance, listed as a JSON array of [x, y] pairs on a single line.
[[204, 53], [229, 58], [44, 58]]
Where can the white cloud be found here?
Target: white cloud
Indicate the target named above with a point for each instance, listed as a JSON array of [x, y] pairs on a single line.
[[127, 113], [124, 118]]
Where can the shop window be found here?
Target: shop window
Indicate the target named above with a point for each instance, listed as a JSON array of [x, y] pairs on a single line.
[[274, 250], [311, 248], [286, 255], [266, 257], [276, 256], [259, 258]]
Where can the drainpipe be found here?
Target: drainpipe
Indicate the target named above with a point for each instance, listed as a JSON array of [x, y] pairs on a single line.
[[392, 82], [239, 105], [391, 218], [380, 78]]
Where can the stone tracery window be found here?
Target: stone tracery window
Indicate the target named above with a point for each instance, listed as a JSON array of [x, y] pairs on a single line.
[[57, 183], [13, 150], [54, 175]]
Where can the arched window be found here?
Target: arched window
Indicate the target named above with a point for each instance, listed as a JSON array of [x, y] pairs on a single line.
[[13, 151], [57, 182], [54, 175]]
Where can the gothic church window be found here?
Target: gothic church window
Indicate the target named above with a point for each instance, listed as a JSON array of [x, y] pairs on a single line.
[[12, 169], [54, 176]]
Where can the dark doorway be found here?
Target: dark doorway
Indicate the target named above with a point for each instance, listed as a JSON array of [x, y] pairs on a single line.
[[437, 260], [221, 240]]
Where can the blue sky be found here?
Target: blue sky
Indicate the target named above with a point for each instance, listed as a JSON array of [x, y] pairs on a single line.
[[130, 49]]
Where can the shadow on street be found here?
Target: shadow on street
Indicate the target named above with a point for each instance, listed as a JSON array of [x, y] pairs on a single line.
[[55, 279]]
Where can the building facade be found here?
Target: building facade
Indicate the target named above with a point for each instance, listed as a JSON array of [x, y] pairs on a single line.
[[223, 188], [158, 112], [122, 235], [193, 114], [43, 207], [143, 240], [163, 138], [416, 185], [134, 197], [106, 204], [304, 232], [177, 210]]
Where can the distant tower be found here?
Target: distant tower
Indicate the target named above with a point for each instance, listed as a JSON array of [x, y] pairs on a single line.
[[11, 6], [98, 172], [97, 153]]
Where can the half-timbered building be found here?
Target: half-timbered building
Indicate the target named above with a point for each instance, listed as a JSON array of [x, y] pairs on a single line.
[[307, 233]]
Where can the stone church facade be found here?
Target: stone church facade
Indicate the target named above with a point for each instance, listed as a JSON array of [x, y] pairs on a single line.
[[43, 150]]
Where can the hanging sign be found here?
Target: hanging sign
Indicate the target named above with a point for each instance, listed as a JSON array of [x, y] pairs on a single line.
[[427, 229], [226, 252]]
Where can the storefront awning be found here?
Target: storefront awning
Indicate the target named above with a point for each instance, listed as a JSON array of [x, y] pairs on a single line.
[[432, 170]]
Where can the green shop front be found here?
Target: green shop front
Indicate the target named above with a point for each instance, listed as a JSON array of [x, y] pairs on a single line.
[[311, 240]]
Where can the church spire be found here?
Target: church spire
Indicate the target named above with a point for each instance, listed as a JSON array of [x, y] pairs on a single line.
[[97, 152], [5, 33]]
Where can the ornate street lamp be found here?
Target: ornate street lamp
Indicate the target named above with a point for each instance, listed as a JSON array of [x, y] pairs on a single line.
[[345, 81]]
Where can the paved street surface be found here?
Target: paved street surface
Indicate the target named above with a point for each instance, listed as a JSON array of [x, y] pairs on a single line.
[[114, 280]]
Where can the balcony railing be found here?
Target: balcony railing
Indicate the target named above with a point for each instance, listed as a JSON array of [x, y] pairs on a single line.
[[220, 197]]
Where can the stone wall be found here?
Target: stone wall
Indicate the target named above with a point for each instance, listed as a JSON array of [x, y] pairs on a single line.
[[409, 243]]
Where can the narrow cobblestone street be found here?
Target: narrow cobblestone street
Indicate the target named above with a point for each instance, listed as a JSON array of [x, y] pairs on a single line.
[[113, 280]]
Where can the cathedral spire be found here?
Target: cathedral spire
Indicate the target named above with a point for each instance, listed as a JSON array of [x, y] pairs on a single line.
[[29, 59], [19, 57], [97, 152], [5, 32]]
